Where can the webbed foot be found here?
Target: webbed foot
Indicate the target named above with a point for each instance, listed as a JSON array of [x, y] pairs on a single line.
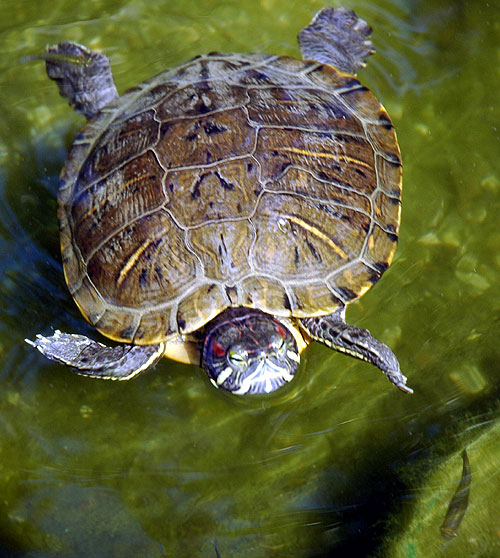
[[333, 331], [82, 75], [336, 36]]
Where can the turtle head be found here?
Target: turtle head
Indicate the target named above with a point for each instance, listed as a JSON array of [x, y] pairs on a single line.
[[248, 351]]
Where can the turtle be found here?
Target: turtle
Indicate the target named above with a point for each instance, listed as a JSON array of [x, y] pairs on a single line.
[[227, 211]]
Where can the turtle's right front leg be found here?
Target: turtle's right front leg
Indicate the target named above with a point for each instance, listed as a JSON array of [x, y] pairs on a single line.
[[90, 358]]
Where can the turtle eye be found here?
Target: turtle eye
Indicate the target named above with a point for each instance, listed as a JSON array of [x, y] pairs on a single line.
[[238, 358]]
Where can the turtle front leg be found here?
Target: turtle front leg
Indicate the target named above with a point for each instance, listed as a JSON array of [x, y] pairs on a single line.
[[90, 358], [333, 331]]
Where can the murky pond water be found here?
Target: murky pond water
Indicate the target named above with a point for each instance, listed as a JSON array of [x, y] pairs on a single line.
[[338, 461]]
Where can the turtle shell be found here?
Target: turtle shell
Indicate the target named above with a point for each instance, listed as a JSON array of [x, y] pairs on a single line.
[[232, 180]]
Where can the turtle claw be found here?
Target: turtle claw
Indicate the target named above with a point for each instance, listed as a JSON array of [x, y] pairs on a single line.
[[61, 347], [399, 381], [44, 344]]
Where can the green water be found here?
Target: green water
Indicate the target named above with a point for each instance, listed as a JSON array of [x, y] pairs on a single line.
[[165, 465]]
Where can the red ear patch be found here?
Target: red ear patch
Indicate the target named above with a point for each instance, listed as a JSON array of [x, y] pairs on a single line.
[[217, 349], [281, 330]]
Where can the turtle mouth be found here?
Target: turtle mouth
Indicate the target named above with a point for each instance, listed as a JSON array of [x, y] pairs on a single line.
[[263, 375]]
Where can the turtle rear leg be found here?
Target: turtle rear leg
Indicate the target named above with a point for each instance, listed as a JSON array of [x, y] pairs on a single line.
[[332, 330], [82, 75], [336, 36], [90, 358]]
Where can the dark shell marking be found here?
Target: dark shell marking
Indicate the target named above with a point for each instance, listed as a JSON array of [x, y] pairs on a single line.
[[231, 180]]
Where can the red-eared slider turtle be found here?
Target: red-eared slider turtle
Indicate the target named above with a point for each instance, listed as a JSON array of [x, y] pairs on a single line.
[[226, 212]]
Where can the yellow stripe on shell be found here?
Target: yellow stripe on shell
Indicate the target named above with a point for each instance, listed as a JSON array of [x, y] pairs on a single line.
[[132, 261], [316, 232], [323, 155]]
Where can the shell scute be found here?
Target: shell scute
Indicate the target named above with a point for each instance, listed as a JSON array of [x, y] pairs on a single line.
[[302, 107], [205, 139], [213, 194], [120, 142], [128, 193], [338, 159], [223, 250], [315, 241], [142, 262]]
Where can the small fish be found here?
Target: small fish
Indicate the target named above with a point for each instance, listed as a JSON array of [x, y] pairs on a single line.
[[217, 553], [459, 502]]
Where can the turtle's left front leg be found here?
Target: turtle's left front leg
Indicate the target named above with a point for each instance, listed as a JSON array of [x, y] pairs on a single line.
[[332, 330]]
